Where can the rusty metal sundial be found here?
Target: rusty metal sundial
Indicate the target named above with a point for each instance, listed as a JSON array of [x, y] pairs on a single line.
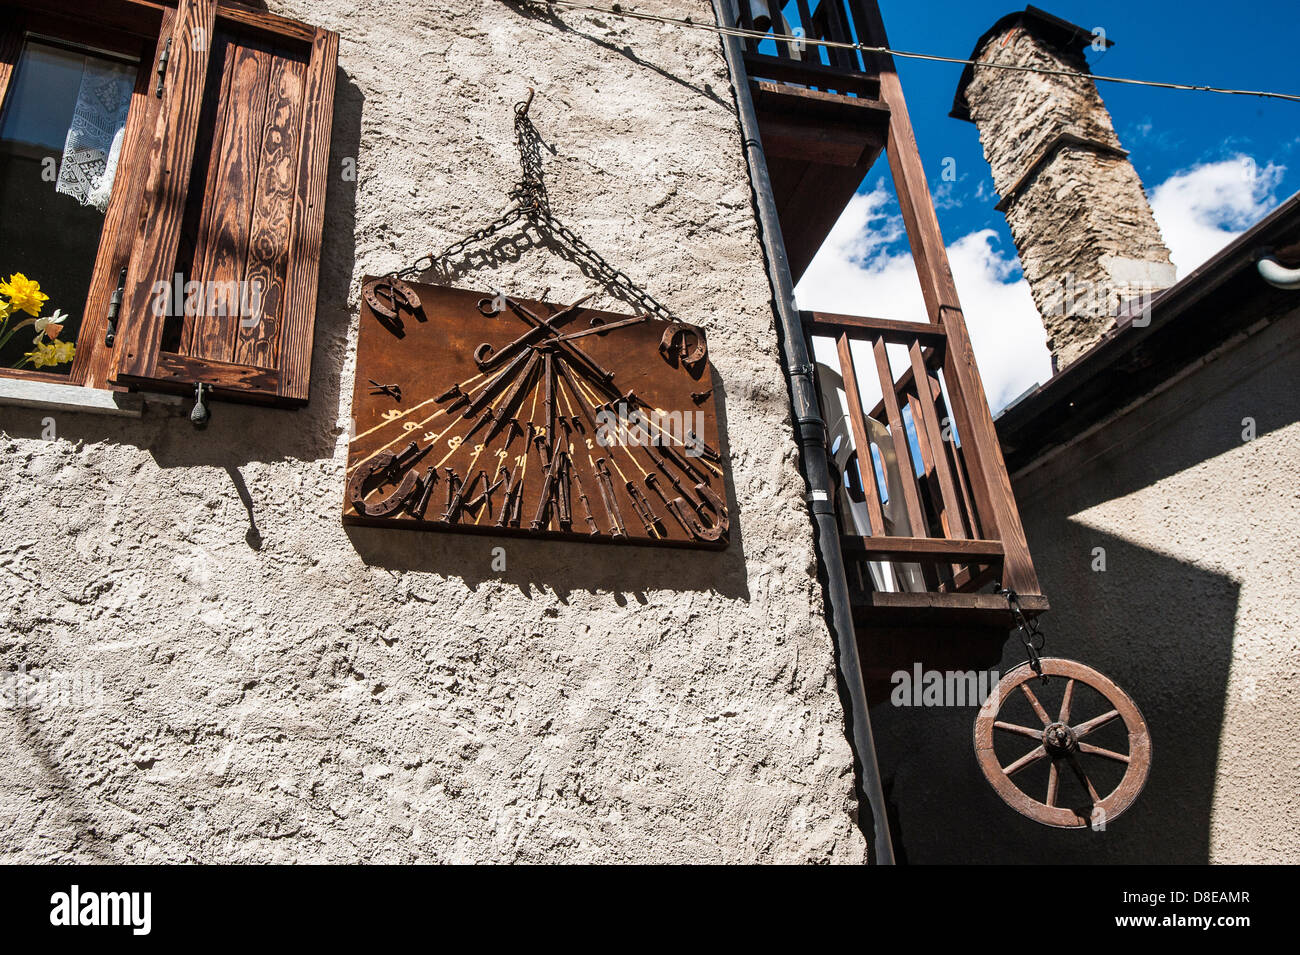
[[1064, 740], [489, 413]]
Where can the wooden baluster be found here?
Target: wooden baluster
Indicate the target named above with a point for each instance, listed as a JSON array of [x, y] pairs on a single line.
[[839, 30], [906, 471], [927, 431], [747, 23], [858, 424], [956, 460], [809, 33]]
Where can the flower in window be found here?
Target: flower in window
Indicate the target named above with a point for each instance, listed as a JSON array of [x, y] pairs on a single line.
[[50, 326], [23, 294], [42, 356]]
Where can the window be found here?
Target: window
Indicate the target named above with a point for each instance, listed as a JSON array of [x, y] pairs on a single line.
[[175, 160]]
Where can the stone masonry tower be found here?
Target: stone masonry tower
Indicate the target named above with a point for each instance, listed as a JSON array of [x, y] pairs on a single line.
[[1075, 205]]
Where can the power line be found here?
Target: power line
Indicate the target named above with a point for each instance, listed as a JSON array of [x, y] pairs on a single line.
[[800, 41]]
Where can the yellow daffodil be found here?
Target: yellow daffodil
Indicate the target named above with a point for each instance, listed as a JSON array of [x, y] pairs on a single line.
[[41, 356], [64, 351], [4, 310], [24, 294], [50, 326]]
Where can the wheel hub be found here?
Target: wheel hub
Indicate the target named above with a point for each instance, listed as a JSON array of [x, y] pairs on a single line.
[[1059, 739]]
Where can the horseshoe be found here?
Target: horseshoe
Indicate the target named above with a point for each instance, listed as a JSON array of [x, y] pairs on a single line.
[[387, 296], [1062, 740], [709, 499], [379, 464], [672, 348]]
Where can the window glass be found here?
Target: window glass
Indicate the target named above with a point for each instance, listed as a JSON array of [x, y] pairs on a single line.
[[60, 137]]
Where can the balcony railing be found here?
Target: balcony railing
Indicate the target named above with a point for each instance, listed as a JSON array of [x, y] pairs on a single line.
[[913, 530], [829, 69]]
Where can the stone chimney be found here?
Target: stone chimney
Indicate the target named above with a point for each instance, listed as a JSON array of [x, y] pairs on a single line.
[[1075, 205]]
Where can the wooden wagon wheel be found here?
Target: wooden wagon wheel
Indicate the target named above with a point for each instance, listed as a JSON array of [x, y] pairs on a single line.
[[1063, 742]]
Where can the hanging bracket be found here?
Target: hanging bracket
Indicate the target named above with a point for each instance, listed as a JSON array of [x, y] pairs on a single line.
[[200, 416], [114, 307], [162, 66]]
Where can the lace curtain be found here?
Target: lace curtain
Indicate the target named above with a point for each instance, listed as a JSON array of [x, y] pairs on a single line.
[[94, 140]]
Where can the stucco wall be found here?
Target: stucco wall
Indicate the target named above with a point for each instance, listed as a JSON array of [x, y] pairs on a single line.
[[278, 688], [1194, 615]]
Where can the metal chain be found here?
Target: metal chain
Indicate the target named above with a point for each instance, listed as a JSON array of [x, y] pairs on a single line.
[[1033, 638], [531, 202]]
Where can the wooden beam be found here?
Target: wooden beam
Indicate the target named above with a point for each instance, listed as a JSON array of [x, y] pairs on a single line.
[[891, 330], [825, 78], [962, 612], [917, 548], [271, 23], [140, 17]]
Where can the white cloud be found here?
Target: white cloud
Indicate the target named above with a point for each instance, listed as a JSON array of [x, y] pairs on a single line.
[[854, 272], [1203, 209], [1199, 211]]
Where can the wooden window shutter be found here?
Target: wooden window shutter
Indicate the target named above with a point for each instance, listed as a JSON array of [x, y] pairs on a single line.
[[234, 209]]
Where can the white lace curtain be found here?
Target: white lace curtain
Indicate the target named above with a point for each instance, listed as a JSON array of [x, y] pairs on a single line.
[[94, 140]]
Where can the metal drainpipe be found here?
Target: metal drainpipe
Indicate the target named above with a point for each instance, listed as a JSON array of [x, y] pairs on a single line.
[[811, 430]]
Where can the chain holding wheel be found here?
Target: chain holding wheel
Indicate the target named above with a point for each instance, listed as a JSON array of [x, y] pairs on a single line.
[[1033, 638], [1063, 741]]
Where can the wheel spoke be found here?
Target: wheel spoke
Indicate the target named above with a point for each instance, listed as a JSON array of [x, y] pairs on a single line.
[[1066, 701], [1096, 723], [1053, 780], [1033, 701], [1104, 753], [1019, 730], [1031, 757], [1083, 778]]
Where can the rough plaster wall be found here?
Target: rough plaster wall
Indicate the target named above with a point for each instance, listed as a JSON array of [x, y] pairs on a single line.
[[1206, 522], [1194, 616], [1082, 209], [278, 688]]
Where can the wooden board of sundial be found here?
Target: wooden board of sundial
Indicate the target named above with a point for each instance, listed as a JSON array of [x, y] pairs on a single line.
[[483, 413]]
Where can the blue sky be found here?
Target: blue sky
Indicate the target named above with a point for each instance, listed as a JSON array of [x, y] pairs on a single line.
[[1242, 45], [1212, 164]]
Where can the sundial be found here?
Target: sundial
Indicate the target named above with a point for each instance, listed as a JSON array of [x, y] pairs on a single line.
[[484, 413]]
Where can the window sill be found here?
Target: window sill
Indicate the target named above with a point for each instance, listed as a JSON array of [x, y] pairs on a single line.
[[60, 397]]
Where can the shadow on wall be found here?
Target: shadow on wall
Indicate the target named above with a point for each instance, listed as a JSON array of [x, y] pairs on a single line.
[[1161, 629], [548, 17]]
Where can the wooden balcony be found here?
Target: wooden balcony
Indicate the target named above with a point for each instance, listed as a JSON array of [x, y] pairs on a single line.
[[919, 523], [820, 115], [927, 518]]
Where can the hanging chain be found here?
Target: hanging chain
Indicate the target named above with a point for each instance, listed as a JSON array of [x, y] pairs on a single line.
[[1033, 638], [531, 202]]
